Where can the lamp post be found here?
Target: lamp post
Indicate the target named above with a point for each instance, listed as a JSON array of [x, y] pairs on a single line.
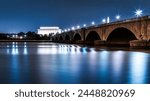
[[138, 12], [93, 23], [104, 20], [84, 25], [118, 17], [78, 27], [73, 28]]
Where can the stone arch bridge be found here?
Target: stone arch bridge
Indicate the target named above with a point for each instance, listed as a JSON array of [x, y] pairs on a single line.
[[133, 32]]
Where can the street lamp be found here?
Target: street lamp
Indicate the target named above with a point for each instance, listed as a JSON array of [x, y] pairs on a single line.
[[118, 17], [84, 25], [104, 21], [65, 30], [78, 27], [138, 12], [73, 28], [68, 29], [93, 23]]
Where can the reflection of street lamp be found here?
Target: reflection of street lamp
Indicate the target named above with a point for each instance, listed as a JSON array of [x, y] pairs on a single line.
[[138, 12]]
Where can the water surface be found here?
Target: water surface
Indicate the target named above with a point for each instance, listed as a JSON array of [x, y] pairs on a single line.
[[51, 63]]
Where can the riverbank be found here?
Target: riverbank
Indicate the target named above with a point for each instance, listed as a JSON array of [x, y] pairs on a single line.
[[25, 41], [97, 47]]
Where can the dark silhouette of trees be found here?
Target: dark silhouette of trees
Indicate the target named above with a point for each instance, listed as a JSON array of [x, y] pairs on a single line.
[[34, 36], [30, 35], [24, 36], [3, 36], [21, 34]]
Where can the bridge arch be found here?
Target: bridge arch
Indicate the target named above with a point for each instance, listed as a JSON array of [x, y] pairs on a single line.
[[77, 36], [121, 35], [92, 36], [67, 37], [134, 30]]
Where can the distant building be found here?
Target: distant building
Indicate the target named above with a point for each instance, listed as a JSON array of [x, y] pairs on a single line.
[[48, 30]]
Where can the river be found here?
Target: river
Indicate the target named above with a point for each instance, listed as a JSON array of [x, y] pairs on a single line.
[[52, 63]]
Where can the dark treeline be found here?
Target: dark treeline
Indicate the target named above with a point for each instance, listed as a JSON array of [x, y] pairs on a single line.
[[24, 36]]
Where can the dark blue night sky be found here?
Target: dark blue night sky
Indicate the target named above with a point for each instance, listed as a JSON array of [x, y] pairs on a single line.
[[28, 15]]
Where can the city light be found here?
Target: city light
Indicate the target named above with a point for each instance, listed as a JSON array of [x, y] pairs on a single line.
[[84, 25], [104, 21], [65, 30], [73, 28], [118, 17], [93, 23], [138, 12], [68, 29], [78, 27]]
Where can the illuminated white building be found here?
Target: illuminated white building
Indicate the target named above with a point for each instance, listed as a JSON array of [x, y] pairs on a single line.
[[48, 30]]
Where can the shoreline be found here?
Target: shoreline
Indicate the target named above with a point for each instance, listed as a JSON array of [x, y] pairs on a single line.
[[97, 48], [111, 48], [25, 41]]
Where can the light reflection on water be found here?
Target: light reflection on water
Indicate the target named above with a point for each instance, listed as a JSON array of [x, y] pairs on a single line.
[[117, 66], [61, 63], [138, 67]]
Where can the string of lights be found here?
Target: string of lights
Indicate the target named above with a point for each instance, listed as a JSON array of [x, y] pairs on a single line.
[[137, 13]]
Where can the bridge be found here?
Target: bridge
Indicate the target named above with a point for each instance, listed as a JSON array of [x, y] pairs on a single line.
[[129, 32]]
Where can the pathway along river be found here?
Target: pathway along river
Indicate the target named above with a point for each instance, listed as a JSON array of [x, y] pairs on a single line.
[[51, 63]]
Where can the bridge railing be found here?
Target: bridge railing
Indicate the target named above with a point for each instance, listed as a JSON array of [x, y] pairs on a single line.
[[106, 24]]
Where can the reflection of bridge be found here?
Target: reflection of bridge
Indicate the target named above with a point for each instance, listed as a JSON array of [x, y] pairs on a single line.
[[115, 33]]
